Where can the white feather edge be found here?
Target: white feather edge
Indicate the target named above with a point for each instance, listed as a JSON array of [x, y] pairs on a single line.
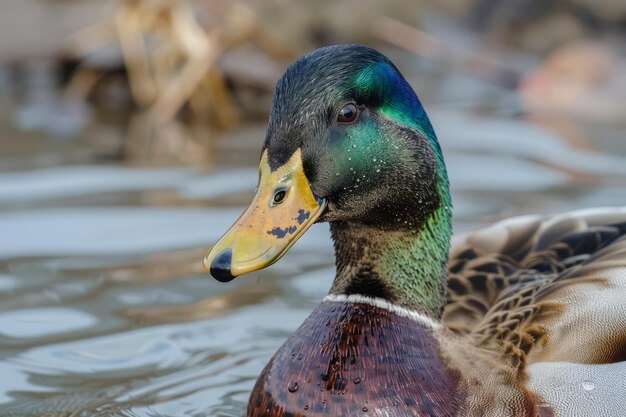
[[386, 305]]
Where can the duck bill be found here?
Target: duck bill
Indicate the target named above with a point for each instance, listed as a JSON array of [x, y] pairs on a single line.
[[284, 207]]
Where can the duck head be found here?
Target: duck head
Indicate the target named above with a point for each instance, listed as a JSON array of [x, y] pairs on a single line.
[[348, 142]]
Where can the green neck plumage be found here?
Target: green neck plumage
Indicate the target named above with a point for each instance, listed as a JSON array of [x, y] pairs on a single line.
[[406, 263], [406, 266], [416, 262]]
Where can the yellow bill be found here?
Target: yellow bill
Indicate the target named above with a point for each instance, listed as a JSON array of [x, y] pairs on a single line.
[[283, 208]]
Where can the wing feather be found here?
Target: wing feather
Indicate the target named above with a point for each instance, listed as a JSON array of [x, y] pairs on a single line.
[[519, 281]]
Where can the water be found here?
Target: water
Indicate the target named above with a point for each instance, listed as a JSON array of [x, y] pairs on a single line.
[[104, 307]]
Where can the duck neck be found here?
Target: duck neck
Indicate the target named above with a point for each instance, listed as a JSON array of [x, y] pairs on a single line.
[[407, 267]]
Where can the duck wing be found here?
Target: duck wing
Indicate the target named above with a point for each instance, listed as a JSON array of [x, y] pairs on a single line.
[[544, 287]]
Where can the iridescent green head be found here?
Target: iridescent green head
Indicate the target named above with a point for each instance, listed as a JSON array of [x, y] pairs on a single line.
[[382, 164], [347, 119]]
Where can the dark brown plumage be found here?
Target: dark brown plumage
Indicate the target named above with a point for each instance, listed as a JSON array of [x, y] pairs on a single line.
[[350, 359]]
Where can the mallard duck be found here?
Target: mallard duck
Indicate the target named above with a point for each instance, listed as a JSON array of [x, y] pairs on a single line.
[[525, 318]]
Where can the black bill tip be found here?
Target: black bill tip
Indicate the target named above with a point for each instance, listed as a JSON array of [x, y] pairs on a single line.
[[220, 267]]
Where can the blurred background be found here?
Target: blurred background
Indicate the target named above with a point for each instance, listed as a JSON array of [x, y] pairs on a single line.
[[130, 137]]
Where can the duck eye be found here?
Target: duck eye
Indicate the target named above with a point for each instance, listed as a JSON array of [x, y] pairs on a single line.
[[347, 114], [279, 196]]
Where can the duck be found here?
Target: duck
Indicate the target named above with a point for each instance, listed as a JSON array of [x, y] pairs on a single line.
[[526, 317]]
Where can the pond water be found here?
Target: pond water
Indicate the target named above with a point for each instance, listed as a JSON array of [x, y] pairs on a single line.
[[104, 307]]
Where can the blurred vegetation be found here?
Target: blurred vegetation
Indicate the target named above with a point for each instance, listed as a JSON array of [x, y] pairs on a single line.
[[164, 66]]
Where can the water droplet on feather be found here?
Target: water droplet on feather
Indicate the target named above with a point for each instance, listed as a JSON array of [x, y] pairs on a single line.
[[588, 385]]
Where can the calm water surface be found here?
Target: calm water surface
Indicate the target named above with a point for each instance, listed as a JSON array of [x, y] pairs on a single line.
[[104, 308]]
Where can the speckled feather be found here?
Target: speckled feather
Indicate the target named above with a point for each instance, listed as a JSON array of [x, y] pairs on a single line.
[[542, 291], [503, 279]]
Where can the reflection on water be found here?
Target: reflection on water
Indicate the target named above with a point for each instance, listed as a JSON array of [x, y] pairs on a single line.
[[105, 309]]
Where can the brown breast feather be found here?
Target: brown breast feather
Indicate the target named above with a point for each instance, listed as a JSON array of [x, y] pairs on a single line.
[[353, 359]]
